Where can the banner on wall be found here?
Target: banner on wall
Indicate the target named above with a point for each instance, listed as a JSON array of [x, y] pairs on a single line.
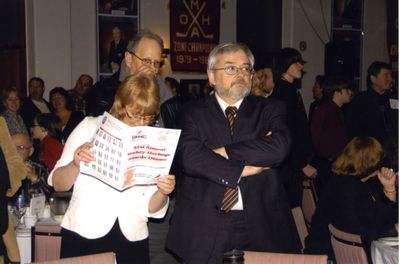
[[194, 32]]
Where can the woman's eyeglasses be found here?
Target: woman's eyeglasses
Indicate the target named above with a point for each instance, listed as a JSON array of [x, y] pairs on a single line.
[[145, 118]]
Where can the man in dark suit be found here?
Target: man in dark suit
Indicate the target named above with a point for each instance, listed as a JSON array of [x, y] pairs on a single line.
[[216, 158], [35, 103]]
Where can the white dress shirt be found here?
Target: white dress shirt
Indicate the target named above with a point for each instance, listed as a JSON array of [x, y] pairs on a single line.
[[95, 206]]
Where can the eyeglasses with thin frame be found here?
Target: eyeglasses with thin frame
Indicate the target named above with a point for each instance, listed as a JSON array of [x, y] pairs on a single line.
[[233, 70], [144, 118], [147, 62]]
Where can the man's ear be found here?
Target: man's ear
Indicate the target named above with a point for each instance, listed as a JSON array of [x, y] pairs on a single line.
[[211, 77], [31, 151], [128, 59]]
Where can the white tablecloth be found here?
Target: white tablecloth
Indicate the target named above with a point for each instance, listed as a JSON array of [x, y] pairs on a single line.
[[382, 253], [24, 244]]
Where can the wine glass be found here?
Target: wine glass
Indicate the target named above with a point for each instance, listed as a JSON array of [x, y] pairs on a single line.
[[19, 208]]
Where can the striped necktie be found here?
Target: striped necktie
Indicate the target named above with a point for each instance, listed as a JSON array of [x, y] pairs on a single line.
[[231, 195]]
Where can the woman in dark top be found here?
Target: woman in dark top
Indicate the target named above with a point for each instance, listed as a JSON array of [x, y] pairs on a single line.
[[361, 198], [288, 71], [62, 102]]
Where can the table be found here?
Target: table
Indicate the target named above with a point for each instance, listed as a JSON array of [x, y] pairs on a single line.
[[383, 253]]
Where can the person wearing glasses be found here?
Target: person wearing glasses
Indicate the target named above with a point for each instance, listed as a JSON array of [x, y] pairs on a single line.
[[230, 143], [287, 76], [100, 218], [143, 55]]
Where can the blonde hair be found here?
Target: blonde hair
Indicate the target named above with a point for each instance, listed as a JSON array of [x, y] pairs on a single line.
[[259, 87], [361, 156], [140, 93]]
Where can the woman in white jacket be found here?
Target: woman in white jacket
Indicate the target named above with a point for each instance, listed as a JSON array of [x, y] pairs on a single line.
[[100, 218]]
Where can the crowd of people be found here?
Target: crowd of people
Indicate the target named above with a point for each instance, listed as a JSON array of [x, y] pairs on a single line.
[[245, 148]]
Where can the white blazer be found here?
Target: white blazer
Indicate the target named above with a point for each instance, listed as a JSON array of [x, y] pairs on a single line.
[[95, 206]]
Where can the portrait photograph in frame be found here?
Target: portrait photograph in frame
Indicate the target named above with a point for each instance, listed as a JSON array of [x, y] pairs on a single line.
[[114, 35]]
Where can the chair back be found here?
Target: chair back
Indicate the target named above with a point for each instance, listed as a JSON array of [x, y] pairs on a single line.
[[300, 224], [102, 258], [347, 247], [46, 242], [309, 200], [253, 257]]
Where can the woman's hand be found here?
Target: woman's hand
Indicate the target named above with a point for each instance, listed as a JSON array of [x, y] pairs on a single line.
[[129, 178], [387, 177], [31, 175], [166, 184], [83, 153]]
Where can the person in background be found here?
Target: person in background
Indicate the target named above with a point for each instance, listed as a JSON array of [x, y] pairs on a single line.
[[361, 198], [46, 128], [172, 84], [12, 173], [375, 112], [62, 104], [79, 92], [289, 70], [117, 50], [328, 128], [11, 102], [230, 143], [263, 81], [35, 103], [100, 218], [170, 109], [317, 91], [37, 173], [143, 55]]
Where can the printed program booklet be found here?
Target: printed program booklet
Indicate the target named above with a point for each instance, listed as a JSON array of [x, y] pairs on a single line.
[[145, 151]]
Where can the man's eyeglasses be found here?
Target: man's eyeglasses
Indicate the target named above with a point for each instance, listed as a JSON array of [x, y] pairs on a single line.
[[232, 70], [145, 118], [156, 64]]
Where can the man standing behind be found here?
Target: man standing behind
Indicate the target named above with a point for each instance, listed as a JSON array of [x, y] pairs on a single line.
[[374, 112], [143, 55], [328, 128], [35, 103], [79, 92], [229, 198]]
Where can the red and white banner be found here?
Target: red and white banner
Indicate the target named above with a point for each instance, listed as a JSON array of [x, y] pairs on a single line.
[[194, 32]]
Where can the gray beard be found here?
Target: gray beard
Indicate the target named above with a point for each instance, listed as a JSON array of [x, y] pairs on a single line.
[[233, 94]]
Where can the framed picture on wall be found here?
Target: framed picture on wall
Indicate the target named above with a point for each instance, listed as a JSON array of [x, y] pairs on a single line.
[[114, 35], [118, 7], [191, 89], [117, 22]]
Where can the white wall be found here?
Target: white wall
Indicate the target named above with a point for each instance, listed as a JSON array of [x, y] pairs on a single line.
[[375, 41], [61, 36], [295, 28], [62, 39]]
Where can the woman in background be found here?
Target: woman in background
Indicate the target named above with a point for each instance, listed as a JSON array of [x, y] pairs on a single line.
[[100, 218], [361, 198], [62, 103], [263, 82], [46, 128], [11, 103]]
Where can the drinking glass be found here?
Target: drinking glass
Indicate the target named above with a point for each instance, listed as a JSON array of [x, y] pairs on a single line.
[[19, 208]]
